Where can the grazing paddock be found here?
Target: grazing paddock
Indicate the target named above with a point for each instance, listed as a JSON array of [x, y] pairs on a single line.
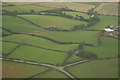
[[77, 13], [96, 69], [74, 36], [36, 41], [16, 24], [107, 9], [52, 74], [45, 21], [104, 22], [18, 70], [70, 5], [26, 8], [108, 48], [7, 47], [39, 55]]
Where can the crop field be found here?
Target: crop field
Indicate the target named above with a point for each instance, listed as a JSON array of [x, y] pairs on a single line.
[[107, 9], [18, 70], [48, 40], [18, 25], [105, 21], [96, 69], [26, 8], [77, 13], [74, 6], [60, 22]]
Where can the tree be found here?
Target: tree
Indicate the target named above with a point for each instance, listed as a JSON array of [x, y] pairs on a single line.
[[32, 11]]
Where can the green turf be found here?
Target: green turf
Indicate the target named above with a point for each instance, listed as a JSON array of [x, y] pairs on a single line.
[[39, 55], [32, 70], [108, 48], [17, 25], [26, 8], [7, 47], [74, 36], [105, 21], [52, 74], [96, 69], [45, 20], [77, 13], [21, 38]]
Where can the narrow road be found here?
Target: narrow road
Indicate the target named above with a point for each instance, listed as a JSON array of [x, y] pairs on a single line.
[[76, 63], [61, 69]]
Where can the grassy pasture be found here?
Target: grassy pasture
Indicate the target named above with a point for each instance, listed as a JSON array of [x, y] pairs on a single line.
[[105, 21], [7, 47], [45, 20], [18, 70], [39, 55], [16, 24], [107, 9], [77, 13], [52, 74], [108, 48], [25, 8], [70, 5], [96, 69], [39, 42], [74, 36]]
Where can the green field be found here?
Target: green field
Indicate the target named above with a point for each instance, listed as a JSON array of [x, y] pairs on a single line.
[[34, 36], [77, 13], [52, 74], [105, 21], [18, 70], [44, 21], [96, 69], [21, 38], [106, 49], [39, 55], [26, 8], [7, 47], [74, 36], [17, 25]]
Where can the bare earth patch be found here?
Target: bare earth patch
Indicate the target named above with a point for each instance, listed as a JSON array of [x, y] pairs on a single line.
[[10, 71]]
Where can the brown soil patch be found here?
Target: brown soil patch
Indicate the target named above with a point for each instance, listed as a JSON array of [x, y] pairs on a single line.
[[35, 32], [9, 71]]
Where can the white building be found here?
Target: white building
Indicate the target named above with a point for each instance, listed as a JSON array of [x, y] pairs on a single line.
[[108, 30]]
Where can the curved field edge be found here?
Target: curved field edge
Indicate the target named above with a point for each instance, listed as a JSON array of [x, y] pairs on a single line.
[[46, 21]]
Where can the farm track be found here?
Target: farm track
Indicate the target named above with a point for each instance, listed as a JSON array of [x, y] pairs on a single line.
[[32, 46], [59, 68]]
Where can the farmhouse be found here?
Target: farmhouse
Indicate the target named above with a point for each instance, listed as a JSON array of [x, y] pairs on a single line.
[[111, 28]]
